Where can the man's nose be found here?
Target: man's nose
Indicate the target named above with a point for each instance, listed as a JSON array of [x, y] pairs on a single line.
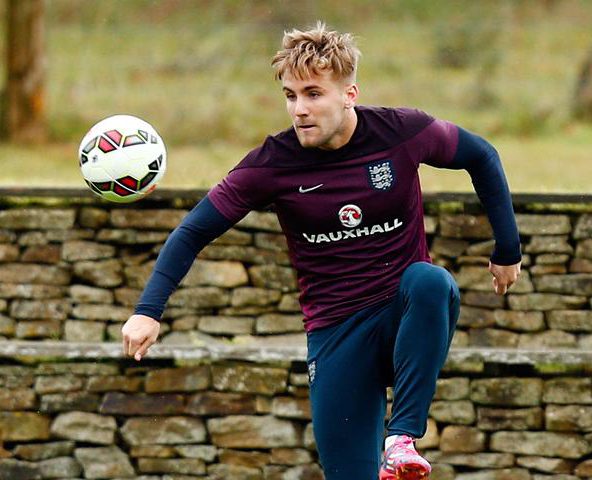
[[300, 108]]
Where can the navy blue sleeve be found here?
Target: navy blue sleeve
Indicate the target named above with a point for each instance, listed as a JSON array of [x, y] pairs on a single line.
[[482, 161], [199, 227]]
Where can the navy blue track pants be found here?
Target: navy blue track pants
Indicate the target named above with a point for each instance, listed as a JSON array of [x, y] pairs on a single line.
[[401, 343]]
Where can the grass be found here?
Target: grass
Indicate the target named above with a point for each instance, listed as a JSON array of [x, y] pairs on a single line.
[[199, 71]]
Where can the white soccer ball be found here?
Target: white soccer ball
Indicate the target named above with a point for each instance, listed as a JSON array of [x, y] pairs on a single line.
[[122, 158]]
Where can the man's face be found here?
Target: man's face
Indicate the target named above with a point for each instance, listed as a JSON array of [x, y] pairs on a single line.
[[321, 108]]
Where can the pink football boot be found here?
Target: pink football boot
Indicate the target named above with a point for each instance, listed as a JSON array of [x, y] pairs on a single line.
[[402, 462]]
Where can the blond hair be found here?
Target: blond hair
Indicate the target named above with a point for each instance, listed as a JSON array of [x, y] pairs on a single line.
[[317, 50]]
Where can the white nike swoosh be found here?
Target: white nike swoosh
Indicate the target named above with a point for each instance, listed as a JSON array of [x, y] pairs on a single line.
[[306, 190]]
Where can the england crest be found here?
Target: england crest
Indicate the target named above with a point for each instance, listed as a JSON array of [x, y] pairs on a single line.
[[381, 175]]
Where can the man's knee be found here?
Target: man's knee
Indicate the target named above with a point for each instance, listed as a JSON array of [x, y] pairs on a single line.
[[424, 280]]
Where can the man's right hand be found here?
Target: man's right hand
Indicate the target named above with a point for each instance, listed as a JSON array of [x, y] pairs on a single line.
[[139, 333]]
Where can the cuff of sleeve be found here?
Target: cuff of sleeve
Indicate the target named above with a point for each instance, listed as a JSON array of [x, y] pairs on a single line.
[[149, 312], [506, 257]]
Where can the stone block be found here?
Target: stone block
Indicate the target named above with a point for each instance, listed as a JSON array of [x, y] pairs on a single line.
[[223, 325], [39, 329], [102, 273], [17, 399], [127, 296], [43, 451], [37, 218], [459, 412], [546, 301], [544, 464], [456, 388], [234, 237], [9, 253], [35, 292], [163, 430], [102, 313], [580, 265], [570, 320], [473, 460], [290, 407], [62, 402], [483, 299], [154, 451], [83, 331], [568, 418], [515, 392], [252, 459], [152, 219], [104, 462], [271, 241], [220, 403], [448, 247], [7, 326], [275, 323], [493, 337], [94, 218], [549, 244], [519, 321], [465, 226], [475, 317], [23, 426], [60, 467], [584, 469], [548, 339], [501, 474], [258, 297], [85, 427], [543, 224], [120, 383], [200, 297], [274, 277], [289, 303], [462, 439], [42, 310], [182, 466], [217, 274], [129, 236], [547, 444], [552, 259], [496, 419], [584, 249], [36, 274], [290, 456], [572, 284], [117, 403], [265, 221], [187, 379], [245, 254], [583, 228], [58, 383], [253, 432], [207, 453], [77, 250], [568, 390], [222, 471], [17, 470], [77, 368], [86, 294], [249, 379]]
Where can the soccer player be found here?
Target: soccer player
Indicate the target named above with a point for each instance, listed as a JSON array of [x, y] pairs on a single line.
[[344, 182]]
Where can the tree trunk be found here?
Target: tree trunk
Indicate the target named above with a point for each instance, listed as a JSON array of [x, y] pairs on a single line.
[[583, 95], [24, 102]]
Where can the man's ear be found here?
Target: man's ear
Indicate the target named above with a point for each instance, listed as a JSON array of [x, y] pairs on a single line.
[[351, 95]]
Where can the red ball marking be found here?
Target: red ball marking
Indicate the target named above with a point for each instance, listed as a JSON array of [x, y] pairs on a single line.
[[115, 136], [105, 145]]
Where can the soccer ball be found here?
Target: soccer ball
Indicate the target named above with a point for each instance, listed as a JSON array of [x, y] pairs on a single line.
[[122, 158]]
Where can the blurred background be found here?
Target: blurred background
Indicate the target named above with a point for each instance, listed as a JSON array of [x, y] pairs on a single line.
[[518, 72]]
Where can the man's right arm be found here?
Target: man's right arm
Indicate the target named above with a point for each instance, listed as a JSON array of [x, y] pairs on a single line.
[[202, 225]]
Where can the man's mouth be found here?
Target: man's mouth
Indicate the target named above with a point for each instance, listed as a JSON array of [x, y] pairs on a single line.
[[306, 127]]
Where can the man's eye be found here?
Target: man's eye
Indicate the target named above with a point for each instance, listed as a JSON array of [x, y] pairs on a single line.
[[315, 94]]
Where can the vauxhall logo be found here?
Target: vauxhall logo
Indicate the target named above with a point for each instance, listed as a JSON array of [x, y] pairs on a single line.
[[351, 216]]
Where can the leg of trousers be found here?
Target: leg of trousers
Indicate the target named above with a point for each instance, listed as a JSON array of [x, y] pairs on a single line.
[[430, 303], [351, 364]]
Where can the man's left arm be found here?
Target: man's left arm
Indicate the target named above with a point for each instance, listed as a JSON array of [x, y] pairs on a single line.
[[483, 164]]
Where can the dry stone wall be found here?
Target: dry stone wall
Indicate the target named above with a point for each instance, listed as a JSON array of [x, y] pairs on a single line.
[[224, 395], [71, 268], [496, 415]]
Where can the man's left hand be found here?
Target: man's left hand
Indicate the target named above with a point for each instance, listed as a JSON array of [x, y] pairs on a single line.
[[504, 276]]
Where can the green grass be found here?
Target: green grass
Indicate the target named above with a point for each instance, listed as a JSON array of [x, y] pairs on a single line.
[[199, 71]]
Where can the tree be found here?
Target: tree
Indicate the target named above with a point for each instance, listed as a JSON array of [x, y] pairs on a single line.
[[583, 95], [23, 112]]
